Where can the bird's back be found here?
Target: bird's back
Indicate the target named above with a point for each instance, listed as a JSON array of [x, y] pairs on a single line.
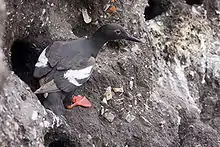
[[66, 54]]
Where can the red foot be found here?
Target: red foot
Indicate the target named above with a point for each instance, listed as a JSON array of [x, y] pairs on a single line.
[[80, 101]]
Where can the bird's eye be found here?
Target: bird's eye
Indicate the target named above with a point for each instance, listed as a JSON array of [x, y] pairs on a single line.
[[118, 32]]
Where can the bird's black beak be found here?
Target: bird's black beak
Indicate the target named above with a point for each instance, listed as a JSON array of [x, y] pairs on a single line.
[[131, 38]]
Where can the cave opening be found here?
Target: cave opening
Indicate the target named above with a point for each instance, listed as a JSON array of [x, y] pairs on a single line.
[[61, 143], [59, 138], [192, 2], [156, 8], [24, 56]]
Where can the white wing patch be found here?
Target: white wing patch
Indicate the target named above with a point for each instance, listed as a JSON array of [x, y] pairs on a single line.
[[42, 60], [74, 75]]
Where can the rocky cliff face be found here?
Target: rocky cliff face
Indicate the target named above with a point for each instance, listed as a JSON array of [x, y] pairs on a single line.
[[3, 69], [164, 92]]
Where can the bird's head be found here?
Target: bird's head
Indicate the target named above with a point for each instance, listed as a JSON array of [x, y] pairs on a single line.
[[111, 32]]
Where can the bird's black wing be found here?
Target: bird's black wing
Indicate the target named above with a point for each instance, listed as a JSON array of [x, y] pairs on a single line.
[[71, 63], [69, 54], [68, 80], [42, 67], [57, 51]]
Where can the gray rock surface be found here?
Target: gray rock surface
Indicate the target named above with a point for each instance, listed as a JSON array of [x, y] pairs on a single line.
[[22, 117], [3, 68], [171, 82]]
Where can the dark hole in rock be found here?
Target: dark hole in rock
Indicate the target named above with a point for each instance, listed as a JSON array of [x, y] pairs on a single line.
[[24, 56], [61, 143], [59, 138], [83, 29], [25, 141], [192, 2], [156, 8]]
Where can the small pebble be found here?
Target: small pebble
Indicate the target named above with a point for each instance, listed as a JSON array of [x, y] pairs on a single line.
[[109, 116], [129, 117]]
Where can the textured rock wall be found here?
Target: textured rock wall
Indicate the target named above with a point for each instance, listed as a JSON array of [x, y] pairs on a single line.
[[170, 82], [3, 69]]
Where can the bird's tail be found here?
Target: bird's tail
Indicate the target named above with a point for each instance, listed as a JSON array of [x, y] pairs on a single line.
[[49, 87], [54, 102]]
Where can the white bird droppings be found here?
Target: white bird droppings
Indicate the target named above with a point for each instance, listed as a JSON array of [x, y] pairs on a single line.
[[43, 12], [46, 124], [34, 115], [86, 17], [131, 83]]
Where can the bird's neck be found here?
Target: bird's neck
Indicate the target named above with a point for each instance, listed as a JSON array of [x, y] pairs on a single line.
[[98, 41]]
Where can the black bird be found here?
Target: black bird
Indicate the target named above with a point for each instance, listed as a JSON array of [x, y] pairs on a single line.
[[66, 65]]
